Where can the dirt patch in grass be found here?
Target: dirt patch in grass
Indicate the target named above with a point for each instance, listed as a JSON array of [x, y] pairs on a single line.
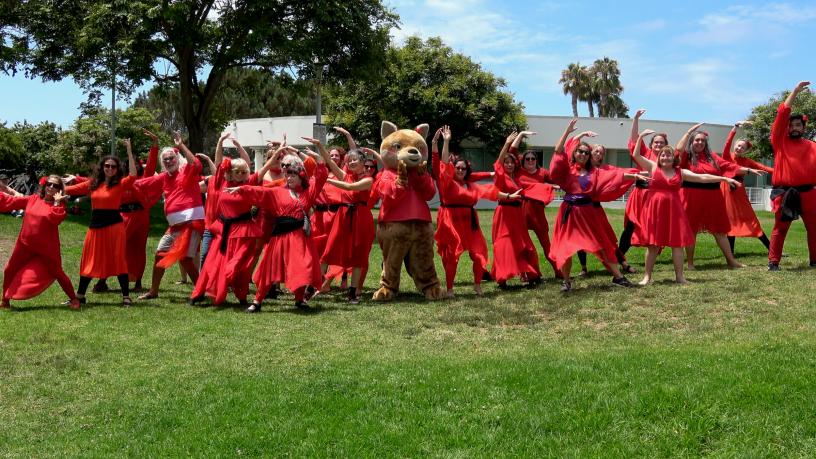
[[6, 247]]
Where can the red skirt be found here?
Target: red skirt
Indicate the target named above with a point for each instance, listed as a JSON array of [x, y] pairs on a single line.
[[513, 250], [137, 228], [290, 258], [319, 233], [582, 231], [665, 223], [634, 212], [266, 221], [223, 271], [104, 253], [455, 235], [350, 238], [741, 215], [705, 210], [535, 217]]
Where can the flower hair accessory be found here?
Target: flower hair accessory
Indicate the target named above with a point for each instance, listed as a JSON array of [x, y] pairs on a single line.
[[43, 180], [804, 118], [418, 131], [750, 144], [227, 163], [302, 175], [706, 133], [665, 136]]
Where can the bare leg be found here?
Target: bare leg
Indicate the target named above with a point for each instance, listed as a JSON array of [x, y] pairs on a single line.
[[191, 268], [722, 241], [690, 254], [677, 258], [651, 256], [158, 274]]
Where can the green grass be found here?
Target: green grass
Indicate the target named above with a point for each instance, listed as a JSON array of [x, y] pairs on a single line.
[[721, 367]]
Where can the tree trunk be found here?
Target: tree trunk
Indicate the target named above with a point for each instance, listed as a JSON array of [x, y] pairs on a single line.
[[196, 105], [591, 110], [575, 105]]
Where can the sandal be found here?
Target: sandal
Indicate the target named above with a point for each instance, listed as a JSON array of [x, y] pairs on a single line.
[[146, 296], [629, 269], [100, 287], [302, 305], [180, 283], [583, 273], [255, 307], [126, 302], [196, 299], [79, 302]]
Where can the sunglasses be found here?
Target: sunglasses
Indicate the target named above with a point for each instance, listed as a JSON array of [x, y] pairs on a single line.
[[461, 168], [285, 165], [168, 160], [371, 168], [240, 171], [111, 166], [583, 152], [53, 185], [531, 159]]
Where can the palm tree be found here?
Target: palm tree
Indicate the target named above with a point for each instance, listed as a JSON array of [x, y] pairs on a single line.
[[589, 92], [574, 80], [607, 76], [616, 107]]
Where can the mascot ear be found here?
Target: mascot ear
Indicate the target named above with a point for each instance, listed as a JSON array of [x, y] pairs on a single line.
[[387, 129], [423, 130]]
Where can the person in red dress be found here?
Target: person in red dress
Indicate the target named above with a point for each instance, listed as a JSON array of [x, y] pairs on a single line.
[[741, 215], [704, 202], [291, 256], [577, 226], [794, 178], [513, 251], [35, 262], [664, 222], [349, 240], [105, 247], [637, 197], [457, 223]]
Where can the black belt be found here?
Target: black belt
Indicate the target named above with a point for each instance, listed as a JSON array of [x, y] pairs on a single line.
[[352, 207], [130, 207], [321, 207], [701, 186], [102, 218], [642, 184], [791, 205], [334, 207], [582, 202], [596, 204], [511, 203], [474, 220], [739, 179], [284, 225], [227, 222]]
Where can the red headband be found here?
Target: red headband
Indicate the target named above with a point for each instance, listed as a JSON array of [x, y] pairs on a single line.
[[43, 180]]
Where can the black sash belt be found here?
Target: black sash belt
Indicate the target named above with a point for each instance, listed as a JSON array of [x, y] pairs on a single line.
[[284, 225], [321, 207], [739, 179], [352, 207], [701, 186], [642, 184], [511, 203], [334, 207], [791, 205], [596, 204], [581, 202], [102, 218], [227, 222], [130, 207], [474, 220]]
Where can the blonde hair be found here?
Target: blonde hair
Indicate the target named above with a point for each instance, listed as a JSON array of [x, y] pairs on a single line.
[[237, 163], [669, 149]]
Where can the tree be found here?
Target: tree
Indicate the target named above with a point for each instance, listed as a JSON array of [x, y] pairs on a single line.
[[11, 148], [607, 78], [764, 115], [616, 107], [575, 79], [246, 93], [180, 42], [426, 82], [588, 91]]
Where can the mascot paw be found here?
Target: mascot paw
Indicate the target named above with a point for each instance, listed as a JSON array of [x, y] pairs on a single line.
[[384, 294], [435, 293], [422, 168], [402, 173]]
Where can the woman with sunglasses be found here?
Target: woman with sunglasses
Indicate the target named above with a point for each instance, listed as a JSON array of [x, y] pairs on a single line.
[[741, 215], [457, 223], [704, 202], [35, 261], [291, 256], [104, 253], [577, 226], [349, 241]]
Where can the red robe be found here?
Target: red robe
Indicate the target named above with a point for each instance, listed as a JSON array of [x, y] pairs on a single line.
[[352, 232], [137, 223], [741, 215], [706, 208], [290, 258], [637, 197], [664, 220], [35, 262]]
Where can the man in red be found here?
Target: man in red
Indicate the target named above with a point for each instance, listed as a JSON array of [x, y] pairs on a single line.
[[793, 179], [183, 209]]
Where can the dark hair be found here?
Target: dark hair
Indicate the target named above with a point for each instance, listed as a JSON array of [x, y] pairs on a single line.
[[693, 155], [797, 116], [469, 170], [139, 168], [298, 169], [513, 157], [41, 189], [665, 139], [376, 164], [529, 152], [588, 164], [340, 150], [99, 173], [669, 149]]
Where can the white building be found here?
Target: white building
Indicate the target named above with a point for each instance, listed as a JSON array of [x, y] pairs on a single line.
[[613, 133]]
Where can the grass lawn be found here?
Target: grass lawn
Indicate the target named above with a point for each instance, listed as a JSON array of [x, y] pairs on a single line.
[[721, 367]]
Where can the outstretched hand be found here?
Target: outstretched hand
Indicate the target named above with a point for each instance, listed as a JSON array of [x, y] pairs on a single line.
[[640, 113], [696, 126], [511, 138], [151, 135], [177, 139], [446, 133], [516, 195], [402, 174], [571, 126], [802, 86], [758, 172], [647, 132], [308, 139], [233, 190], [733, 183], [341, 130]]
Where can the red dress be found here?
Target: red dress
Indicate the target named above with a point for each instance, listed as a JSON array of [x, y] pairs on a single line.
[[104, 252], [290, 258], [741, 215], [35, 262], [457, 224], [664, 222], [637, 197], [228, 265], [577, 226], [534, 213], [352, 232], [705, 206], [513, 250], [135, 210]]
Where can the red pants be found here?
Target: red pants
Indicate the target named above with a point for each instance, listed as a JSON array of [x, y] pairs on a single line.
[[780, 230], [451, 262], [22, 255]]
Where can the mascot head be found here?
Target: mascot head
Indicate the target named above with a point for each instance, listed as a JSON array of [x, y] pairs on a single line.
[[406, 145]]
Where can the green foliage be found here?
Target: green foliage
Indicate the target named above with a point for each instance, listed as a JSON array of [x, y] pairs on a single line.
[[11, 148], [764, 115], [179, 42], [426, 82], [38, 140], [598, 85], [88, 140]]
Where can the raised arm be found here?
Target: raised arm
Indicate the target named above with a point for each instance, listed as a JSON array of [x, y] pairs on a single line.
[[351, 143], [374, 154], [325, 158], [131, 161], [517, 140], [633, 134], [446, 138], [507, 143], [219, 149], [802, 86], [153, 156], [183, 148], [206, 160], [683, 143], [638, 157], [559, 147], [241, 152]]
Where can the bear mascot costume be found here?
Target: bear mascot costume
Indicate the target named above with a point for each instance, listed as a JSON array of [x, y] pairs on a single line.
[[404, 227]]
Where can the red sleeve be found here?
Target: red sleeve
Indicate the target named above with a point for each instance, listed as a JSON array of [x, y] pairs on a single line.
[[424, 185], [128, 181], [78, 189], [539, 192], [259, 196], [645, 151], [191, 171], [780, 127], [479, 176], [570, 144], [9, 203], [152, 187], [559, 168], [310, 165], [435, 164], [56, 214], [373, 197], [80, 179], [685, 163], [609, 184], [727, 168], [750, 163], [152, 162], [318, 181], [489, 192], [389, 191], [726, 153]]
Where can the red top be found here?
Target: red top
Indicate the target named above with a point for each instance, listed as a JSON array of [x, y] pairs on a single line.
[[103, 197], [726, 168], [279, 199], [401, 203], [742, 161], [181, 190], [794, 159], [604, 185], [41, 221], [228, 205], [645, 151], [451, 191]]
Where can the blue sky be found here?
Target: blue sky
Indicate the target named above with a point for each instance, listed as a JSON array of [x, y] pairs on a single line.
[[689, 61]]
